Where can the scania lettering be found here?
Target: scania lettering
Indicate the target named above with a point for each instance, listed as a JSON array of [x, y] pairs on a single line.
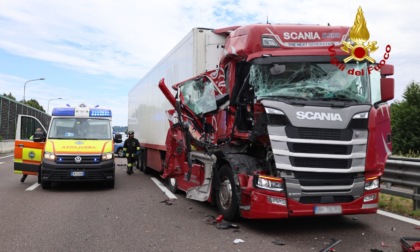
[[303, 36], [318, 116], [265, 129], [77, 148]]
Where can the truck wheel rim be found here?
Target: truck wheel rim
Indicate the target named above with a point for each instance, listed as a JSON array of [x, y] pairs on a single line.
[[172, 182], [225, 194]]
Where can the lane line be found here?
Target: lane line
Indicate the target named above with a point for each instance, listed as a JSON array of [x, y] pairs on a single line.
[[32, 187], [399, 217], [165, 190], [6, 156], [1, 162]]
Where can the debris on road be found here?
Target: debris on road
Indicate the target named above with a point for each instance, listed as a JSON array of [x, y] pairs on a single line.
[[407, 247], [331, 246], [167, 201], [226, 225], [237, 241], [279, 242]]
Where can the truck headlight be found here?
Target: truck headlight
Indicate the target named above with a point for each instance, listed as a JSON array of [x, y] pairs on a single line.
[[372, 183], [107, 156], [269, 183], [49, 155]]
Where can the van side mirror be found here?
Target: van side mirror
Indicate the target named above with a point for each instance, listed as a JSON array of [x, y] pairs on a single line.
[[118, 138], [39, 137]]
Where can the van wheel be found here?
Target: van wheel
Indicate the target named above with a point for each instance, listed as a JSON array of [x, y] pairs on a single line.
[[120, 152], [110, 184], [172, 185], [45, 184], [226, 197]]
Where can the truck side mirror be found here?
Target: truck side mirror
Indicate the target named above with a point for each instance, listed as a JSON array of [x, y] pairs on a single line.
[[387, 89], [387, 84], [387, 70]]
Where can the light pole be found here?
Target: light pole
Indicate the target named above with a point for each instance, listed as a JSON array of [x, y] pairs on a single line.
[[24, 87], [48, 107]]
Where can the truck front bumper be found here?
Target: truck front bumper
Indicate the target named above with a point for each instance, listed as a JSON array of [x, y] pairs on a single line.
[[264, 204]]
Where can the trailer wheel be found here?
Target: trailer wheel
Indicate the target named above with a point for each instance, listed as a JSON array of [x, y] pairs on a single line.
[[226, 197], [172, 185], [143, 166]]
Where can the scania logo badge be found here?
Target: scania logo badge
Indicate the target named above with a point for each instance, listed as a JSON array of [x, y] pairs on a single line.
[[78, 159], [31, 155], [79, 142]]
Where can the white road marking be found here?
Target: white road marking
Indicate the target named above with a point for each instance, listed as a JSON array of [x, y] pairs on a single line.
[[399, 217], [165, 190], [32, 187], [6, 156], [1, 162]]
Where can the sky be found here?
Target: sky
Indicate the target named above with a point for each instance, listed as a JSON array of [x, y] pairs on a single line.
[[95, 51]]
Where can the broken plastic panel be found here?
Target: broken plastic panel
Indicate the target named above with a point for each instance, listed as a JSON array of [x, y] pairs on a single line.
[[315, 81]]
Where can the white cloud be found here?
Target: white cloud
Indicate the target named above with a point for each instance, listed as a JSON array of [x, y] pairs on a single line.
[[124, 39]]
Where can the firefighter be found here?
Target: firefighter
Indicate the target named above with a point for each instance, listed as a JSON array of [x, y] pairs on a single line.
[[131, 150]]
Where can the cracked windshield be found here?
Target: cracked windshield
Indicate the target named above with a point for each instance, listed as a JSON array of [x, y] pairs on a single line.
[[312, 81]]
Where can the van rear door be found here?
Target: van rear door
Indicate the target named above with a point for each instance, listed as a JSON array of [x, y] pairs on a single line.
[[28, 154]]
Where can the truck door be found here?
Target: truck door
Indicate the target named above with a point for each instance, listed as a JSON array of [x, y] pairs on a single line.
[[28, 153]]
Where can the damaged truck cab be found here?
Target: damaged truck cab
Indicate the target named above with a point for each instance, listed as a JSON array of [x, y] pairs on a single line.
[[280, 129]]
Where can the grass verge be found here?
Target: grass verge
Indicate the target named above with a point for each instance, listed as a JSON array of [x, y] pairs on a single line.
[[398, 205]]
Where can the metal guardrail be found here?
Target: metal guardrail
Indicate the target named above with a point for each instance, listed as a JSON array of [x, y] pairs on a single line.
[[403, 172]]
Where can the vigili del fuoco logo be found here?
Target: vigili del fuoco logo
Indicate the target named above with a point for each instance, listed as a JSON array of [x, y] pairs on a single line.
[[359, 47]]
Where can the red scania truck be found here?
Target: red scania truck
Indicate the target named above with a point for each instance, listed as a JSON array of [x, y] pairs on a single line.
[[267, 121]]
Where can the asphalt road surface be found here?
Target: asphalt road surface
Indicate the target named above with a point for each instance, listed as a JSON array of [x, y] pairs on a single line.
[[137, 216]]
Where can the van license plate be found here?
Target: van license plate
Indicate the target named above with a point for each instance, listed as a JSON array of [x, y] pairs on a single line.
[[77, 173], [327, 210]]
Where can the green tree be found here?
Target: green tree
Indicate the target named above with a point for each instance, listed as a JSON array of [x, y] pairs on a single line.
[[405, 122], [34, 103], [9, 96]]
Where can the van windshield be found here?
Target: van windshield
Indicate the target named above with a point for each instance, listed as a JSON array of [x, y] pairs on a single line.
[[80, 128]]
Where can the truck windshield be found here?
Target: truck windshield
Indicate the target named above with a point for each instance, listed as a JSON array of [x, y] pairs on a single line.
[[314, 81], [80, 128]]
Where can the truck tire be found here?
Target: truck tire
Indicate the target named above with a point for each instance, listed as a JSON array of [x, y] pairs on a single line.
[[143, 162], [226, 197], [172, 185]]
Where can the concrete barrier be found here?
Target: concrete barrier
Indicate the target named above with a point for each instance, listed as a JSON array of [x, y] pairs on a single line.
[[7, 146]]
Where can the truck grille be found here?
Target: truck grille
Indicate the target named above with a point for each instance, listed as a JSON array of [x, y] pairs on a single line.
[[322, 160], [316, 133]]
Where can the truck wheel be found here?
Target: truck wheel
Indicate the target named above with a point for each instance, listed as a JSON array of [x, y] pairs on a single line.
[[120, 152], [226, 197], [172, 185]]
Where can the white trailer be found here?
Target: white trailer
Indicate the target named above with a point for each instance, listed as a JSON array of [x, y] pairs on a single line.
[[199, 51]]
